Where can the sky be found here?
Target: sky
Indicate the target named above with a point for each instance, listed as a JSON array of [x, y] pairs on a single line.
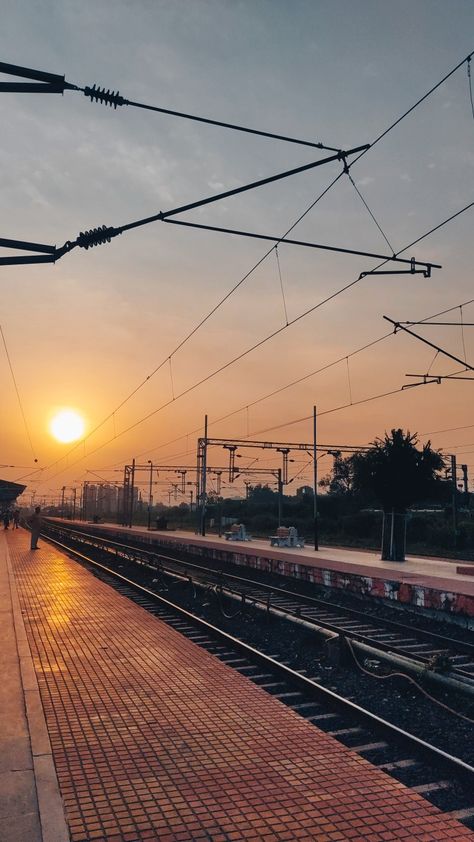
[[86, 332]]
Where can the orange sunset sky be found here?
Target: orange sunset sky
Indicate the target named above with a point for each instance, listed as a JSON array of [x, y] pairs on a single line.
[[86, 332]]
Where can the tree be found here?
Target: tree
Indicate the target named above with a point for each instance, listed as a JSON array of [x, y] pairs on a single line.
[[341, 480], [396, 474]]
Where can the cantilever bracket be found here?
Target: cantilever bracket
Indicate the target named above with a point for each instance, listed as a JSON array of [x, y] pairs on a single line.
[[46, 254], [47, 83], [425, 380], [412, 271]]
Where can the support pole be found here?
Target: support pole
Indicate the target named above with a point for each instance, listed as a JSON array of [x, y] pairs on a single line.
[[315, 481], [454, 480], [131, 489], [150, 491], [280, 496], [204, 480]]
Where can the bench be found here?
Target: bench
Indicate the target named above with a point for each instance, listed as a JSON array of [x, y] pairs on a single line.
[[237, 532], [286, 536]]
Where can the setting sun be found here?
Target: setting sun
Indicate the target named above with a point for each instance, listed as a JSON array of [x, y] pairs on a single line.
[[67, 426]]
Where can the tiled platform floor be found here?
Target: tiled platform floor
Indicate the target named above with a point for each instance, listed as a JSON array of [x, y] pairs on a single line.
[[154, 739]]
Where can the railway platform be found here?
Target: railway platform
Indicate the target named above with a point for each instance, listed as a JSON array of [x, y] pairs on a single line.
[[435, 584], [119, 729]]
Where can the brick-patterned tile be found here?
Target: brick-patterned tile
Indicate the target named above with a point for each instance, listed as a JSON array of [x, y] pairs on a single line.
[[154, 739]]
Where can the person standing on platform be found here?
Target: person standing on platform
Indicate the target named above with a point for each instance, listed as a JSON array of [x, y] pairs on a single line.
[[16, 519], [6, 519], [35, 522]]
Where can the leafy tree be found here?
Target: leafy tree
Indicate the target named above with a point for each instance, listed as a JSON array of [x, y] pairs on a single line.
[[341, 480], [396, 474]]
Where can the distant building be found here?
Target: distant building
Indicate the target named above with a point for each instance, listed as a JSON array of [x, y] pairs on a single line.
[[99, 499]]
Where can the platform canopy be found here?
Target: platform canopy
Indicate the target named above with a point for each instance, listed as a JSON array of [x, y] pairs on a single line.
[[9, 491]]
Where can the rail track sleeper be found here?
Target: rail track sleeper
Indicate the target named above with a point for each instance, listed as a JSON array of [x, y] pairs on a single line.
[[345, 732], [405, 763], [378, 745], [323, 717], [289, 694], [434, 786], [463, 814]]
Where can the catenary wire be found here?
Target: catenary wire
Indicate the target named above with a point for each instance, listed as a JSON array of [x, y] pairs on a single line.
[[378, 138], [369, 211], [244, 353], [236, 286], [303, 378], [20, 403]]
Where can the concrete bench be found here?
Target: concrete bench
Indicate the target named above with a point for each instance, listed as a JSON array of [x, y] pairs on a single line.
[[286, 536], [237, 532]]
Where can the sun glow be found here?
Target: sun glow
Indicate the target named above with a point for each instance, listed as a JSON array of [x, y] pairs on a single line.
[[67, 426]]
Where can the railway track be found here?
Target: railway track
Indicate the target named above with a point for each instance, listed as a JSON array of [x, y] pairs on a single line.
[[442, 778], [418, 644]]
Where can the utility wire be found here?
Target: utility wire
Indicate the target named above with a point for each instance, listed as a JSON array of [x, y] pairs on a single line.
[[469, 82], [244, 353], [269, 394], [306, 377], [334, 181], [281, 283], [369, 211], [327, 412], [197, 327], [417, 103], [18, 396]]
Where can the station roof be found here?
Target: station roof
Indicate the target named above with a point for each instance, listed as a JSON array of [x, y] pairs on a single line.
[[9, 491]]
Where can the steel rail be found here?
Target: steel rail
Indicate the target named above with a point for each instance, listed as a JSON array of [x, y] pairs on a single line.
[[412, 631], [312, 688]]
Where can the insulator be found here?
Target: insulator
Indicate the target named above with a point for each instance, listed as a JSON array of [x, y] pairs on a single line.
[[95, 237], [105, 97]]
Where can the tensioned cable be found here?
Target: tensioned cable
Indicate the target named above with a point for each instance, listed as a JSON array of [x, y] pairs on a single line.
[[418, 102], [302, 379], [326, 412], [369, 211], [469, 82], [383, 134], [18, 396], [197, 327], [448, 430], [281, 283], [462, 333], [236, 286], [243, 354], [269, 395]]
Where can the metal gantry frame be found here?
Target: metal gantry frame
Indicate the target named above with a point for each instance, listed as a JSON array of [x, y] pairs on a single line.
[[281, 474]]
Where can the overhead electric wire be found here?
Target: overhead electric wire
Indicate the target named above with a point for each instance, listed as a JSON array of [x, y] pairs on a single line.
[[306, 377], [334, 181], [326, 412], [369, 211], [418, 102], [270, 394], [239, 357], [198, 326], [20, 403], [469, 82]]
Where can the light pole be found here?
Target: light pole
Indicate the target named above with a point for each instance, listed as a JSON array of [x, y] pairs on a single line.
[[150, 497]]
